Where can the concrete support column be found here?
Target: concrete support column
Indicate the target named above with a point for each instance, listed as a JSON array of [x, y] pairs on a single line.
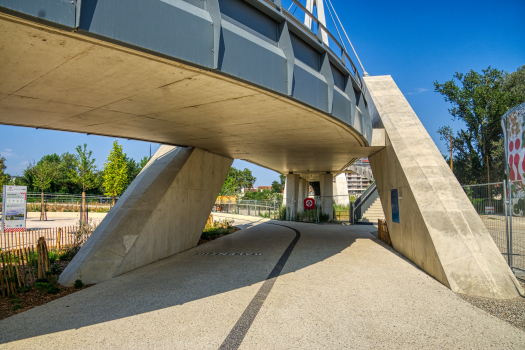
[[303, 193], [292, 192], [341, 190], [430, 219], [327, 192], [161, 213]]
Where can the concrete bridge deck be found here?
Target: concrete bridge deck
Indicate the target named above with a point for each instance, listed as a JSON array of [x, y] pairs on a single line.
[[339, 288]]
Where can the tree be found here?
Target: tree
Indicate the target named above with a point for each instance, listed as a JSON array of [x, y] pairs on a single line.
[[4, 178], [236, 180], [65, 182], [43, 174], [515, 83], [144, 161], [480, 100], [83, 173], [277, 187], [115, 172]]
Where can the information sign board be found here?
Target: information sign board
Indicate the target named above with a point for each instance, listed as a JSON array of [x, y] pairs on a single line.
[[395, 205], [14, 208]]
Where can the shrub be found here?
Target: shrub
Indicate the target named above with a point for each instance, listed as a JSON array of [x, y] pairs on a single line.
[[79, 284], [16, 307], [53, 290], [53, 256], [55, 269], [42, 286], [64, 256]]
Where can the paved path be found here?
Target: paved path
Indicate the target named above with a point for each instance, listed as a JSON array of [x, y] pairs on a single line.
[[60, 219], [337, 288]]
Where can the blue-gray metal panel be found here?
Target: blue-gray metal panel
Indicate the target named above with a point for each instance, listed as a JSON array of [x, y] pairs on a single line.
[[247, 15], [58, 11], [285, 44], [339, 78], [309, 87], [171, 27], [342, 106], [305, 53], [251, 58], [326, 71]]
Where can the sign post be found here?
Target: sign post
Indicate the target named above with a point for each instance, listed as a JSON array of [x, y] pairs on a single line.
[[14, 208]]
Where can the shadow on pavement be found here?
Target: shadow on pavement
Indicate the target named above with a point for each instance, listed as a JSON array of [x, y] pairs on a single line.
[[185, 277]]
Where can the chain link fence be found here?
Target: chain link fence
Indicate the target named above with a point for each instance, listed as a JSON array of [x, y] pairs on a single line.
[[501, 207]]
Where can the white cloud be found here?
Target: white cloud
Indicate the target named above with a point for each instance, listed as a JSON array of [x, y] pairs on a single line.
[[418, 91], [8, 153]]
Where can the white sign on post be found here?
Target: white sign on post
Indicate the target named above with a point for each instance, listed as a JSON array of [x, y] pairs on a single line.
[[14, 208]]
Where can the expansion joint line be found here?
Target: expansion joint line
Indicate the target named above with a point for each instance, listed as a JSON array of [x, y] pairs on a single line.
[[238, 332]]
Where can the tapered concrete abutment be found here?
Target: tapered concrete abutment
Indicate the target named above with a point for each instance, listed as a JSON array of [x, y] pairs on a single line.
[[162, 213], [430, 219]]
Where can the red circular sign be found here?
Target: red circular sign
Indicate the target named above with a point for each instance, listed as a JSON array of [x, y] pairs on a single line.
[[309, 203]]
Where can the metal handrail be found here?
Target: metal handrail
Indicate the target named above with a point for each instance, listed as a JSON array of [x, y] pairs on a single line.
[[318, 37], [359, 201]]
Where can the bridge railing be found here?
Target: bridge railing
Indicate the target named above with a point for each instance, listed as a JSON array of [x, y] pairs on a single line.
[[344, 57]]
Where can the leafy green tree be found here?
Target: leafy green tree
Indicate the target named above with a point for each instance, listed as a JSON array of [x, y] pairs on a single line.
[[236, 180], [115, 172], [65, 182], [83, 174], [4, 178], [133, 170], [144, 161], [43, 174], [283, 179], [515, 83], [277, 187], [479, 100]]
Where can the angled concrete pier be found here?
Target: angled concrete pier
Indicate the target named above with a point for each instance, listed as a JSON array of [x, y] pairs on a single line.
[[162, 213], [438, 228]]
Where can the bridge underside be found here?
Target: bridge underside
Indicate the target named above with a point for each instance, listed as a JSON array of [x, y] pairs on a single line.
[[55, 79], [66, 81]]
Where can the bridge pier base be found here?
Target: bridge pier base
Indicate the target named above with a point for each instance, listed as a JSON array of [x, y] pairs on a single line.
[[292, 193], [327, 191], [430, 218], [341, 190], [162, 213], [303, 193]]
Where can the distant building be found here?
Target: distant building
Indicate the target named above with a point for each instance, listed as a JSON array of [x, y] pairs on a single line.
[[357, 183], [262, 188]]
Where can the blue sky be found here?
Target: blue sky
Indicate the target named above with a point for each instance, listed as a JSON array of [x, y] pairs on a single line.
[[416, 42]]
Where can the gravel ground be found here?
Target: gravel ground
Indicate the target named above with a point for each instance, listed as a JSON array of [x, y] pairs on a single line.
[[511, 311]]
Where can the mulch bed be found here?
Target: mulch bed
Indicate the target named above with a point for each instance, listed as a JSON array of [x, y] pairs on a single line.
[[34, 298], [511, 311]]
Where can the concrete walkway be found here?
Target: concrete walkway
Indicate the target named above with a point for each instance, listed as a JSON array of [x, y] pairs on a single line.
[[330, 287]]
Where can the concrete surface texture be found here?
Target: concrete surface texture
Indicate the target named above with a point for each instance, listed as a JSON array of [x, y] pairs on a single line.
[[439, 229], [162, 213], [340, 288]]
